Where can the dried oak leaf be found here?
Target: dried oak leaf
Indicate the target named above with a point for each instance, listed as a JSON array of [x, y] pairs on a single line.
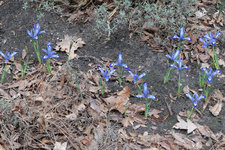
[[189, 126], [66, 43]]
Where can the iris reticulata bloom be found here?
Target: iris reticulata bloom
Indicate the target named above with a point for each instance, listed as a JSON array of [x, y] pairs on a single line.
[[119, 63], [135, 76], [174, 56], [179, 65], [194, 98], [33, 33], [212, 38], [205, 41], [210, 73], [181, 37], [7, 55], [106, 73], [146, 93], [50, 53]]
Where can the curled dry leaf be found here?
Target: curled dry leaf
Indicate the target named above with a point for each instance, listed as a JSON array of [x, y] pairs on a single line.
[[218, 95], [215, 110], [186, 89], [221, 62], [65, 45]]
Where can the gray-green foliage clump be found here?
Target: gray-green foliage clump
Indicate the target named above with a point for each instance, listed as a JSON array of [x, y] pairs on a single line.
[[105, 24], [167, 16]]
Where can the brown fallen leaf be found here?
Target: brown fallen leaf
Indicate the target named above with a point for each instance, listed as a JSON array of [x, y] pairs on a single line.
[[200, 48], [70, 44], [160, 119], [215, 110], [189, 126], [125, 93], [182, 140], [86, 141], [218, 96], [127, 121], [206, 131], [204, 58]]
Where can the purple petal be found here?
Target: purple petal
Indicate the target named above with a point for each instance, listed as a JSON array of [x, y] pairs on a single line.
[[189, 96], [44, 50], [45, 57], [181, 32], [30, 33], [102, 71], [216, 72], [3, 55], [188, 38], [120, 59], [139, 96], [124, 65], [176, 54], [152, 97], [175, 37], [14, 53], [56, 56], [142, 75], [113, 64], [167, 55]]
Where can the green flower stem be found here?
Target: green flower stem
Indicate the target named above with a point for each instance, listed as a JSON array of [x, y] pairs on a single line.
[[181, 45], [139, 89], [4, 73], [167, 77], [24, 68], [147, 108], [37, 49], [48, 66], [191, 112], [221, 6], [202, 77], [120, 71], [179, 79], [215, 59], [102, 86], [207, 92]]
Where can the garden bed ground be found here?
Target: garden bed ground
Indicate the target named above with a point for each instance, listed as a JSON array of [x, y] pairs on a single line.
[[43, 111]]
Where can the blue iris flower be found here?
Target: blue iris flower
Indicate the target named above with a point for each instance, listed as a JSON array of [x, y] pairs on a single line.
[[33, 33], [212, 38], [173, 56], [206, 42], [181, 37], [7, 55], [50, 53], [106, 73], [145, 93], [119, 63], [194, 98], [210, 73], [179, 65], [135, 76]]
